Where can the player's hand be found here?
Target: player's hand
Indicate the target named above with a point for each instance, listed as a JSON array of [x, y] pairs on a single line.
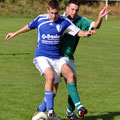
[[104, 11], [9, 36], [89, 33]]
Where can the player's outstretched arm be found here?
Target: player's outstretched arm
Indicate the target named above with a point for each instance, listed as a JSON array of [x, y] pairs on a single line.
[[86, 34], [22, 30], [102, 13]]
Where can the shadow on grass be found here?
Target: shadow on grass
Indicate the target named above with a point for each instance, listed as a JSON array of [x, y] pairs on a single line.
[[107, 116], [14, 54]]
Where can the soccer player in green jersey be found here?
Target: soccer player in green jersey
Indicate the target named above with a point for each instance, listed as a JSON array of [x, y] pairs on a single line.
[[69, 43], [68, 46]]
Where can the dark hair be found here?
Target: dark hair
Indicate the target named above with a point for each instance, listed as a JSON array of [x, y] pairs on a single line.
[[76, 2], [54, 4]]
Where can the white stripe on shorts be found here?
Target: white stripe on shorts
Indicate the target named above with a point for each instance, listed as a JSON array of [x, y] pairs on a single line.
[[37, 66]]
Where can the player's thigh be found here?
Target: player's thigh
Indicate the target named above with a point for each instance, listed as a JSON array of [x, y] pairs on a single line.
[[49, 75], [65, 68], [72, 66], [42, 63], [67, 73]]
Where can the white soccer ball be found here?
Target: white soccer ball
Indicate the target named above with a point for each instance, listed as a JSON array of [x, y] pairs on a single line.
[[40, 116]]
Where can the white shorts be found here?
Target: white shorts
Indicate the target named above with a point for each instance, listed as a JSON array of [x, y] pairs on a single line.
[[69, 62], [42, 63]]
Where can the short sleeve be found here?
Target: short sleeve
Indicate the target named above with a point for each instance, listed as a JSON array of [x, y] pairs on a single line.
[[33, 24], [86, 24]]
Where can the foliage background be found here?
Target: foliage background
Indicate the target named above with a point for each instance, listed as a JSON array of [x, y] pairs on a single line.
[[30, 8]]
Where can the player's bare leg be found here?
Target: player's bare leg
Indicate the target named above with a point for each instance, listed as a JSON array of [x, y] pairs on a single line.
[[72, 89]]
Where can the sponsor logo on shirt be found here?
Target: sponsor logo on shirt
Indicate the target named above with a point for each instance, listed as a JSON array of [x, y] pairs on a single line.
[[50, 39], [48, 36]]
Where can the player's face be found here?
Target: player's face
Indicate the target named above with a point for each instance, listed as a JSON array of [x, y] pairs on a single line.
[[53, 14], [72, 10]]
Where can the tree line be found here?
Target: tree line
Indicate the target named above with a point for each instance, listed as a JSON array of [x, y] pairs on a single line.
[[63, 1]]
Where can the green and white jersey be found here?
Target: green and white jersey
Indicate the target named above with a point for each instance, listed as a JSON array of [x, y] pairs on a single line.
[[69, 43]]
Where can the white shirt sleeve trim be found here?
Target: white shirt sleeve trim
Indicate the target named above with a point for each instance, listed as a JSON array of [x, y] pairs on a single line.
[[72, 30], [91, 25]]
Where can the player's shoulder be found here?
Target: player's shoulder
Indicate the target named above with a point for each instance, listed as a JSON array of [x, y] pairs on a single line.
[[81, 18], [84, 18], [63, 18], [41, 16]]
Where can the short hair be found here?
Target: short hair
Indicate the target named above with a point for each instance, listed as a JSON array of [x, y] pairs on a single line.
[[54, 4], [76, 2]]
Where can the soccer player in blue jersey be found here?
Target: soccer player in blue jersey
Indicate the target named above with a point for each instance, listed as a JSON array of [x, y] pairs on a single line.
[[50, 28], [68, 47]]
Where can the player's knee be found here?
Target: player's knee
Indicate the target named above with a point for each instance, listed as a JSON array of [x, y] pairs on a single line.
[[70, 77], [51, 78], [49, 75]]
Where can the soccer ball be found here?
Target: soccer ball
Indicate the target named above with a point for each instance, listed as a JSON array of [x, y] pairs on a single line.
[[40, 116]]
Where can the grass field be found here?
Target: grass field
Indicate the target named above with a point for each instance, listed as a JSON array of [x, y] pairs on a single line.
[[98, 71]]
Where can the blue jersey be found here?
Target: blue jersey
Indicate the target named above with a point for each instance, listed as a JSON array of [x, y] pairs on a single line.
[[49, 34]]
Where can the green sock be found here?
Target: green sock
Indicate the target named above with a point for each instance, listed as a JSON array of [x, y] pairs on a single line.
[[71, 106], [72, 89]]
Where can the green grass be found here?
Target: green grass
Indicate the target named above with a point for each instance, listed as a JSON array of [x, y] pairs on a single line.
[[98, 71]]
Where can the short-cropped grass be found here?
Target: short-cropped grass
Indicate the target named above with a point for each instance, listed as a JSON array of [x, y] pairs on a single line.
[[97, 60]]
